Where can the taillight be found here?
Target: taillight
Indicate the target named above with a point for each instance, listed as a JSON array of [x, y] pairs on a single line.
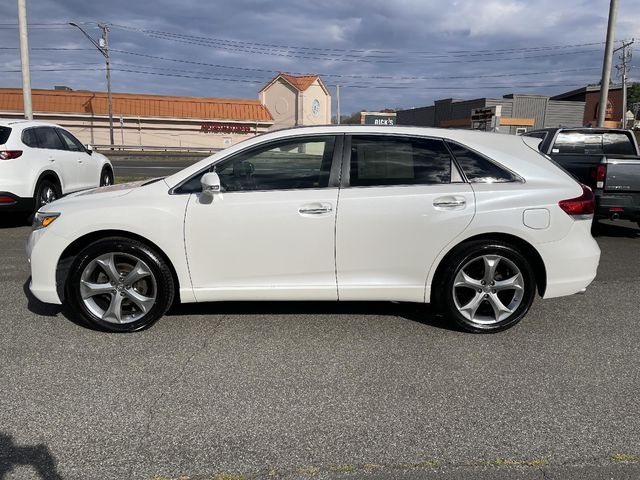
[[5, 199], [9, 154], [601, 175], [582, 205]]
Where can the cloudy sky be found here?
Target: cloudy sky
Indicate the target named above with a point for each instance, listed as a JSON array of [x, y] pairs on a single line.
[[382, 53]]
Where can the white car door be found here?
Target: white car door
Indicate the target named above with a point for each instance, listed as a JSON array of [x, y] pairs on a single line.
[[87, 168], [402, 200], [270, 233], [59, 158]]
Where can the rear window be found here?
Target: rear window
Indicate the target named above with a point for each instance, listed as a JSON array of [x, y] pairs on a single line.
[[479, 169], [581, 143], [385, 160], [4, 134]]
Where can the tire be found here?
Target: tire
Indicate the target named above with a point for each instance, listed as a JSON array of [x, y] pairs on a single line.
[[465, 292], [119, 285], [106, 177], [46, 192]]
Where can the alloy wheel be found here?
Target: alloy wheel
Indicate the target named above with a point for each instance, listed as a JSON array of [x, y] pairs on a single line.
[[488, 289], [118, 288]]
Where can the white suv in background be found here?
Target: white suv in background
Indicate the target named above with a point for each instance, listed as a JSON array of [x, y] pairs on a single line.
[[40, 162]]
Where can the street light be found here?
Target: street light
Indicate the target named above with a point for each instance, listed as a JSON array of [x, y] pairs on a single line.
[[103, 47]]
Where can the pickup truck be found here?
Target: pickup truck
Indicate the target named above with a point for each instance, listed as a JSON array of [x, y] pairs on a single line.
[[605, 159]]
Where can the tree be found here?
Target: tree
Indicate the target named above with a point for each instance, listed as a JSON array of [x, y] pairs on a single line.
[[633, 94]]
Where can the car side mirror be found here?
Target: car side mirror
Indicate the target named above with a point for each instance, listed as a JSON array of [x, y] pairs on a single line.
[[89, 149], [211, 183]]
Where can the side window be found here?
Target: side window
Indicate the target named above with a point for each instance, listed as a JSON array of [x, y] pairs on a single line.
[[479, 169], [29, 138], [48, 138], [386, 160], [286, 165], [71, 142]]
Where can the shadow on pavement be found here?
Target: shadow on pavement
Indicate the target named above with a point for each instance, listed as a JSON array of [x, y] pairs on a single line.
[[36, 306], [14, 220], [419, 313], [38, 457], [611, 229]]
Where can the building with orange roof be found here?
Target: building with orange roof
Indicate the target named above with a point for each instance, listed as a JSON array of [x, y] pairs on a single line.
[[150, 120], [171, 121], [297, 100]]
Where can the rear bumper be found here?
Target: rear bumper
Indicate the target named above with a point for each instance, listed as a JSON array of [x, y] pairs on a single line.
[[13, 203], [624, 206], [572, 262]]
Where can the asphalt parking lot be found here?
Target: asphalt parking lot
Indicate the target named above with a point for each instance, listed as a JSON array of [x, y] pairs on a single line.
[[374, 391]]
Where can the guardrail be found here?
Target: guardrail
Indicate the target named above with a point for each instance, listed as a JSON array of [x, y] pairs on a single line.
[[154, 148]]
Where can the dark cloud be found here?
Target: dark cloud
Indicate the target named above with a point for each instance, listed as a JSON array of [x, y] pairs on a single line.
[[322, 31]]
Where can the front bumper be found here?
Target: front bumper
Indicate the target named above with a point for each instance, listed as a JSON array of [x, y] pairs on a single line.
[[43, 257]]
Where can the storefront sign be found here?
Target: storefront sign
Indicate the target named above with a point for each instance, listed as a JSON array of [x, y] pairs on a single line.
[[377, 119], [219, 127]]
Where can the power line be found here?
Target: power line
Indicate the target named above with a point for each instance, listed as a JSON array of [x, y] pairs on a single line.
[[376, 59]]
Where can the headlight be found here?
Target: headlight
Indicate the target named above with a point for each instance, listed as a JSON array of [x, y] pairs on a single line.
[[43, 220]]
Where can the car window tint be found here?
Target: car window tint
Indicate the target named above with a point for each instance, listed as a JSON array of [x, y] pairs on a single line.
[[71, 142], [4, 134], [29, 138], [617, 144], [285, 165], [385, 160], [477, 168], [48, 138], [578, 143]]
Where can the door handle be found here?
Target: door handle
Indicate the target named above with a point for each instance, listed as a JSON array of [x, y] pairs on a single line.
[[449, 202], [315, 209]]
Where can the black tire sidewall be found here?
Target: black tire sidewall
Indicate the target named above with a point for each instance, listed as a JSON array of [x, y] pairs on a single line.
[[445, 293], [106, 171], [40, 187], [164, 283]]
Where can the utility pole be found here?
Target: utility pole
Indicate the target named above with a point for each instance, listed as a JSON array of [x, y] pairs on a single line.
[[24, 59], [103, 47], [338, 104], [623, 70], [606, 64]]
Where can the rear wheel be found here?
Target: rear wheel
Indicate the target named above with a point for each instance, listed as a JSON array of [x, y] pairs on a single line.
[[46, 192], [120, 285], [487, 287]]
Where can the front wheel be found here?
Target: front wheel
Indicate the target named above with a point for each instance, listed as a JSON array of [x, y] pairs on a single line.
[[487, 287], [106, 177], [119, 285]]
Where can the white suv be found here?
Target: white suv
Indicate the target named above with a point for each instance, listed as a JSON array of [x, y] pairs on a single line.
[[478, 223], [40, 162]]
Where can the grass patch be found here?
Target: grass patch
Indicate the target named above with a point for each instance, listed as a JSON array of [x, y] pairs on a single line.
[[423, 464], [308, 470], [625, 457], [342, 468], [127, 179], [228, 476], [507, 462]]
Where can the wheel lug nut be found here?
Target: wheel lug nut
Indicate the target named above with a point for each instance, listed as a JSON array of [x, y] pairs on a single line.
[[483, 282], [486, 296], [493, 291], [479, 290]]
